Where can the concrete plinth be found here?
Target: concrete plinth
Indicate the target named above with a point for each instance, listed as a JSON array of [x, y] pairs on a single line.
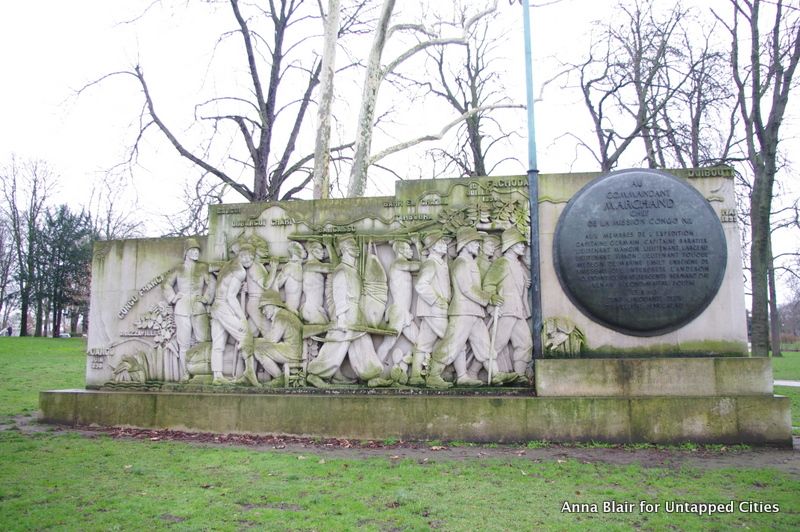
[[752, 419]]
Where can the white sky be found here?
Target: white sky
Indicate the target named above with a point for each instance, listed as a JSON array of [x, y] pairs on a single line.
[[50, 48]]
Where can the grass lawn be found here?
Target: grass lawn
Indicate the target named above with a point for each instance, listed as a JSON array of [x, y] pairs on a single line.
[[28, 365], [66, 481], [794, 394], [787, 367]]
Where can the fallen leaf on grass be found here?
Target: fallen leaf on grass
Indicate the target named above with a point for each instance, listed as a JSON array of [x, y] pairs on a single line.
[[438, 448]]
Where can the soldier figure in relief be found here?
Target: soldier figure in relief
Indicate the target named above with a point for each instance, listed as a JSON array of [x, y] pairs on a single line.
[[291, 277], [345, 340], [314, 272], [227, 314], [508, 278], [489, 246], [190, 288], [433, 297], [466, 313], [399, 315]]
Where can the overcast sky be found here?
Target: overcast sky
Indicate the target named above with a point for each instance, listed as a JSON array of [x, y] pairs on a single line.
[[50, 48]]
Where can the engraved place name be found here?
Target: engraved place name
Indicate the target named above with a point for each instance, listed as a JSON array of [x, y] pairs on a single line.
[[256, 222], [131, 302], [339, 229], [711, 172], [98, 355], [412, 217], [398, 203], [229, 210], [640, 251]]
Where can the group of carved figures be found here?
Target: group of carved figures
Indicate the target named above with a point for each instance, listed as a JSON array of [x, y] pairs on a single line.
[[328, 305]]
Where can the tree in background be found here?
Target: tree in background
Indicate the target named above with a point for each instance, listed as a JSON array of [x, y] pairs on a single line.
[[763, 65], [257, 128], [26, 187], [633, 72], [467, 79], [8, 292], [67, 253]]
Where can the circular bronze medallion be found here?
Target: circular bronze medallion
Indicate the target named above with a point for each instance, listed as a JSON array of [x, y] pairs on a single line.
[[640, 251]]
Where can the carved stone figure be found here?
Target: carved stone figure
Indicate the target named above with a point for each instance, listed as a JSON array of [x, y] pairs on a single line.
[[433, 297], [489, 246], [466, 320], [258, 280], [190, 289], [562, 338], [314, 272], [227, 315], [507, 278], [291, 277], [282, 345], [345, 339], [398, 315]]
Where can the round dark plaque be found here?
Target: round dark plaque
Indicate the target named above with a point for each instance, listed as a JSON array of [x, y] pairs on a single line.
[[640, 251]]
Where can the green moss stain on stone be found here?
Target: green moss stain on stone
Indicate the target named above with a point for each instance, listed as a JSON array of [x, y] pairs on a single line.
[[700, 348]]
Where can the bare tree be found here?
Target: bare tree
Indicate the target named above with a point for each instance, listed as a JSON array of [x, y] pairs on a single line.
[[26, 187], [267, 118], [467, 79], [322, 144], [377, 72], [110, 214], [7, 266], [629, 77], [763, 67]]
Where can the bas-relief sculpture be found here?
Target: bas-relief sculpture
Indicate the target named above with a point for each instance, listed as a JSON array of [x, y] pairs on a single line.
[[431, 292], [396, 306]]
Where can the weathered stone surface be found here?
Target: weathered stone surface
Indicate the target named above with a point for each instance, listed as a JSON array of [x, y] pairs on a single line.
[[641, 377], [640, 251], [727, 419]]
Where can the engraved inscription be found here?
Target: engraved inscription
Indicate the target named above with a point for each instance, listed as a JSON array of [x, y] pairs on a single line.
[[640, 251]]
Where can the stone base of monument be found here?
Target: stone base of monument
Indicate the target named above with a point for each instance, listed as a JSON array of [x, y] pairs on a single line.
[[649, 400]]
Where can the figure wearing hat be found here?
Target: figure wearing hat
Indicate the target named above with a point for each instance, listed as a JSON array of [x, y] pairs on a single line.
[[344, 340], [489, 246], [283, 344], [466, 314], [433, 297], [190, 289], [508, 278]]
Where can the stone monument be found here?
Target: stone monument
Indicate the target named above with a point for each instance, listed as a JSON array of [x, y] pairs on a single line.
[[426, 295]]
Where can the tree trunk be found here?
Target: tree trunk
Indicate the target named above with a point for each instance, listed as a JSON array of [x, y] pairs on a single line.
[[366, 116], [23, 318], [73, 322], [39, 321], [322, 154], [759, 261], [774, 315]]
